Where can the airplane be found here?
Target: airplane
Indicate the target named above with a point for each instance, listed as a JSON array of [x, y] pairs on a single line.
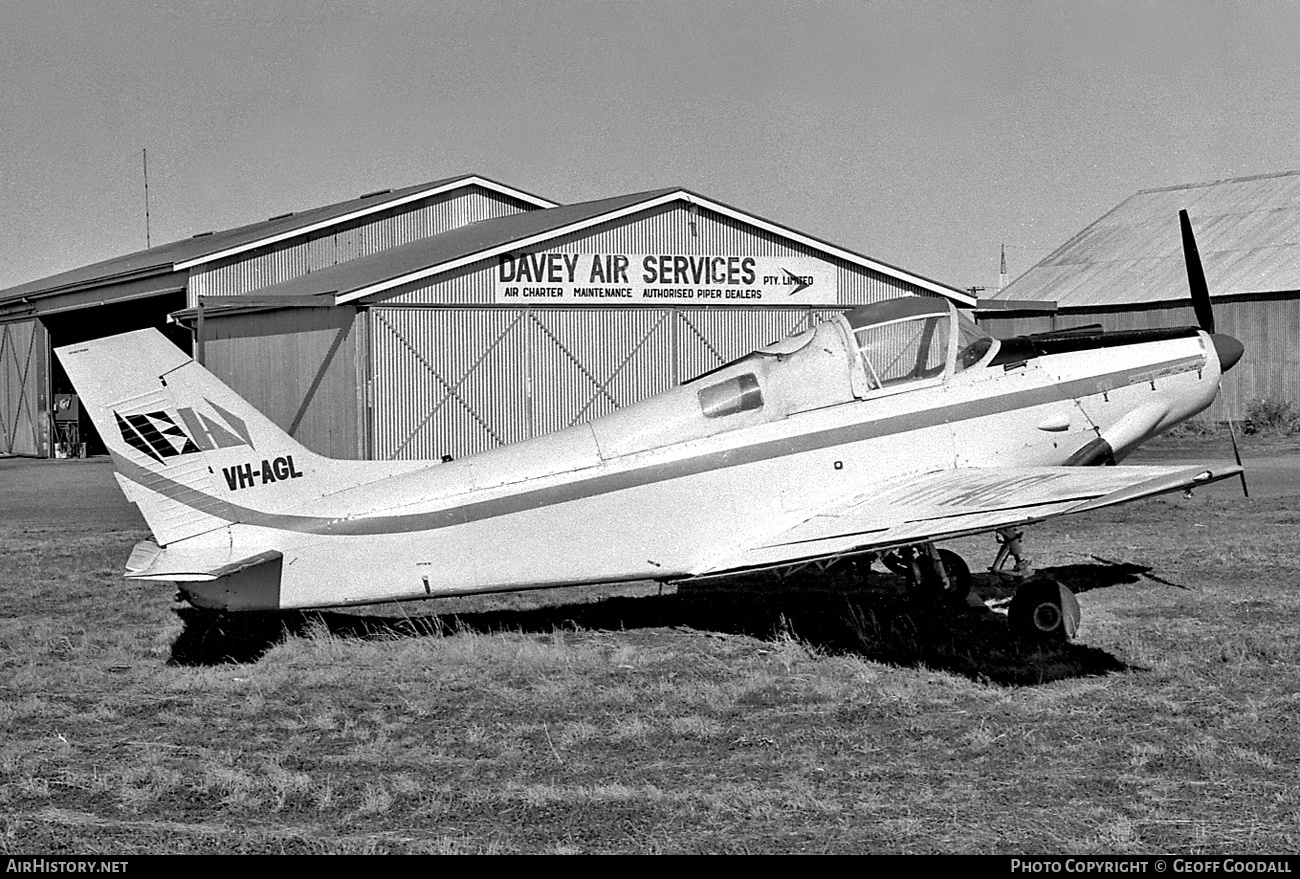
[[877, 433]]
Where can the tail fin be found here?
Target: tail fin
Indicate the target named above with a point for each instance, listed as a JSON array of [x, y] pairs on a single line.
[[190, 452]]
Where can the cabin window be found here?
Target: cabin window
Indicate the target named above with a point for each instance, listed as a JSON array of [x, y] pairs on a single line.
[[904, 350], [739, 394]]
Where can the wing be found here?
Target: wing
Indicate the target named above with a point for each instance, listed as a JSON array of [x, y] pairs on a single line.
[[950, 503]]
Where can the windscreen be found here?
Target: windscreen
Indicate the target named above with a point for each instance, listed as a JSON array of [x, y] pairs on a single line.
[[972, 342], [905, 350]]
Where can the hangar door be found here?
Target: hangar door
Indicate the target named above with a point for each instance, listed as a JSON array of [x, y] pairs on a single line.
[[454, 381], [24, 383]]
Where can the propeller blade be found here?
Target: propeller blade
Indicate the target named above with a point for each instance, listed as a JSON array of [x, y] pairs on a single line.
[[1196, 276], [1232, 432]]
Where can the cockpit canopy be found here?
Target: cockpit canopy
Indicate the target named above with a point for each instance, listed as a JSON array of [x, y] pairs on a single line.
[[873, 351], [915, 338]]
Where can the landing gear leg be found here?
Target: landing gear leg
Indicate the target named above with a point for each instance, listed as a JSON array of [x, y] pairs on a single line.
[[937, 574]]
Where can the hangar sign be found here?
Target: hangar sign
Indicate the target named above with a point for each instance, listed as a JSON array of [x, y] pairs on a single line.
[[559, 278]]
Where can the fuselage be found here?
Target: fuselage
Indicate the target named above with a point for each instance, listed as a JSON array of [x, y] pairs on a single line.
[[661, 488]]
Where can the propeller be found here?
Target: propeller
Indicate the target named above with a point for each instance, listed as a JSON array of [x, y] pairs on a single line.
[[1196, 276], [1232, 432], [1226, 347]]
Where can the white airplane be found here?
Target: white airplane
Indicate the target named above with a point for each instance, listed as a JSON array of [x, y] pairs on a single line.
[[882, 430]]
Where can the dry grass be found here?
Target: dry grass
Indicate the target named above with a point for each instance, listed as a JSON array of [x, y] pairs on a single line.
[[820, 716]]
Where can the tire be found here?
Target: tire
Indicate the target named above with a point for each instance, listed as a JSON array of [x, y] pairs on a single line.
[[893, 561], [1044, 612], [959, 581]]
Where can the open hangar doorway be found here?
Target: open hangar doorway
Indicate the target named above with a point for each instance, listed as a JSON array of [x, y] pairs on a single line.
[[81, 325]]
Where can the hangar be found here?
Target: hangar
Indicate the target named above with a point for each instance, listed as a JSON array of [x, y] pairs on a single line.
[[524, 324], [1126, 271], [493, 317], [140, 289]]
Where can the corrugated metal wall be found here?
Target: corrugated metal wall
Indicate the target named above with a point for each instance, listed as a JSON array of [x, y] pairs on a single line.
[[454, 381], [586, 362], [410, 222], [298, 367], [1268, 327], [1152, 317], [447, 381], [24, 388], [1004, 327]]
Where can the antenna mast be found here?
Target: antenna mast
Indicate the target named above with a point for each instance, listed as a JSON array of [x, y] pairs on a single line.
[[147, 239]]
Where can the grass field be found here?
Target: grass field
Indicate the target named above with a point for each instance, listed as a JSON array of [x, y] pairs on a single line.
[[819, 714]]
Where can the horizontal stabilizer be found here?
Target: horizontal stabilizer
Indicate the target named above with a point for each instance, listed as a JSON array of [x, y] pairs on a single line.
[[149, 561]]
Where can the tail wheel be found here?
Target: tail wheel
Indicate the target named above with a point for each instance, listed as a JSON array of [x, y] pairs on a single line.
[[1044, 612]]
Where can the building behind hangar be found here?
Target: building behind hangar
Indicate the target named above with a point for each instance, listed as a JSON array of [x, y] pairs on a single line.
[[1126, 271], [448, 318], [140, 289], [516, 326]]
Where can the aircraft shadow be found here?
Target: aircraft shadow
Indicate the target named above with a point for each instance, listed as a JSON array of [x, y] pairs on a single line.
[[1083, 577], [831, 613]]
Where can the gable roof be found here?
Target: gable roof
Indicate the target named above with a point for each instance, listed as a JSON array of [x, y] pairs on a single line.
[[456, 248], [1247, 231], [209, 246]]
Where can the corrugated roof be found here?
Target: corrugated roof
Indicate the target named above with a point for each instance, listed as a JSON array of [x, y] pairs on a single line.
[[455, 248], [216, 245], [1247, 230], [399, 265]]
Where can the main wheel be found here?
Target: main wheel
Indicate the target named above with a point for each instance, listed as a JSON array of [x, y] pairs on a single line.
[[957, 572], [1044, 612], [894, 561]]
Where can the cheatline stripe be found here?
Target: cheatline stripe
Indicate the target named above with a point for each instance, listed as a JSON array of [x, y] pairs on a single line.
[[607, 483]]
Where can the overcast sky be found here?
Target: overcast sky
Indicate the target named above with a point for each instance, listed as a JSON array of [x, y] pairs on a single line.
[[921, 134]]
